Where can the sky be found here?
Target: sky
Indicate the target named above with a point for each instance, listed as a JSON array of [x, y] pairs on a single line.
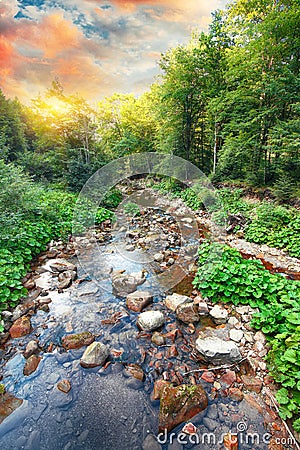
[[94, 47]]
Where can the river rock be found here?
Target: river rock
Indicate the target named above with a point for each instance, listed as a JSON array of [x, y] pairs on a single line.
[[219, 315], [124, 284], [31, 364], [135, 371], [32, 348], [236, 335], [217, 351], [138, 300], [95, 355], [179, 404], [158, 257], [65, 278], [173, 301], [60, 265], [252, 383], [64, 386], [20, 327], [187, 313], [158, 388], [150, 320], [158, 339], [72, 341], [8, 404]]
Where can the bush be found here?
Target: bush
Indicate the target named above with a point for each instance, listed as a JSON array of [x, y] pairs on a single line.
[[131, 209]]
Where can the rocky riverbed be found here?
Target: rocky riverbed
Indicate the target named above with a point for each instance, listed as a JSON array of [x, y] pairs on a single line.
[[101, 356]]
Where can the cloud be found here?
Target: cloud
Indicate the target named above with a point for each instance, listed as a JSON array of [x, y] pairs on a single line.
[[93, 49]]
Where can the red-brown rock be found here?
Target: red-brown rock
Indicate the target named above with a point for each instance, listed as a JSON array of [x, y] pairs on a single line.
[[64, 386], [20, 327], [187, 313], [228, 378], [135, 371], [78, 340], [8, 403], [179, 404], [252, 384], [235, 394], [138, 300], [31, 364], [209, 377], [158, 388]]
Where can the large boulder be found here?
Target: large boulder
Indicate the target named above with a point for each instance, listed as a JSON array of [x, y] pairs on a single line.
[[78, 340], [95, 355], [217, 351], [138, 300], [20, 327], [179, 404], [124, 284], [150, 320], [173, 301]]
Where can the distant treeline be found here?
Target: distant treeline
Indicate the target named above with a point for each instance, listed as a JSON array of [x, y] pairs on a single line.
[[228, 101]]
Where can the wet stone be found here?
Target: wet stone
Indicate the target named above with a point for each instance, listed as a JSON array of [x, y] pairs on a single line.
[[31, 364], [212, 412], [8, 404], [64, 386], [20, 327], [135, 371], [95, 355], [174, 300], [31, 349], [72, 341], [252, 384], [150, 443], [150, 320], [179, 404], [138, 300], [187, 313], [158, 339], [210, 424]]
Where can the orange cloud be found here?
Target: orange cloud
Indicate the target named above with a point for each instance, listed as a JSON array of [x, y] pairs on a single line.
[[52, 35]]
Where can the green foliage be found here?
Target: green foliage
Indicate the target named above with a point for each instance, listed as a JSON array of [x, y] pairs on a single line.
[[131, 209], [30, 216], [276, 226], [224, 275], [284, 188], [112, 199]]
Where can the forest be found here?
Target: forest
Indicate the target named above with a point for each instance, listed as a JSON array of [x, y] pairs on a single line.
[[229, 102]]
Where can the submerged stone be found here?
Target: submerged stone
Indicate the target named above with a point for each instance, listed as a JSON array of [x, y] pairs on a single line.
[[72, 341], [8, 404], [138, 300], [179, 404], [173, 301], [150, 320], [95, 355]]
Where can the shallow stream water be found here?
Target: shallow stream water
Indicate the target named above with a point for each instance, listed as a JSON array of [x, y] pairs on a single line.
[[106, 409]]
